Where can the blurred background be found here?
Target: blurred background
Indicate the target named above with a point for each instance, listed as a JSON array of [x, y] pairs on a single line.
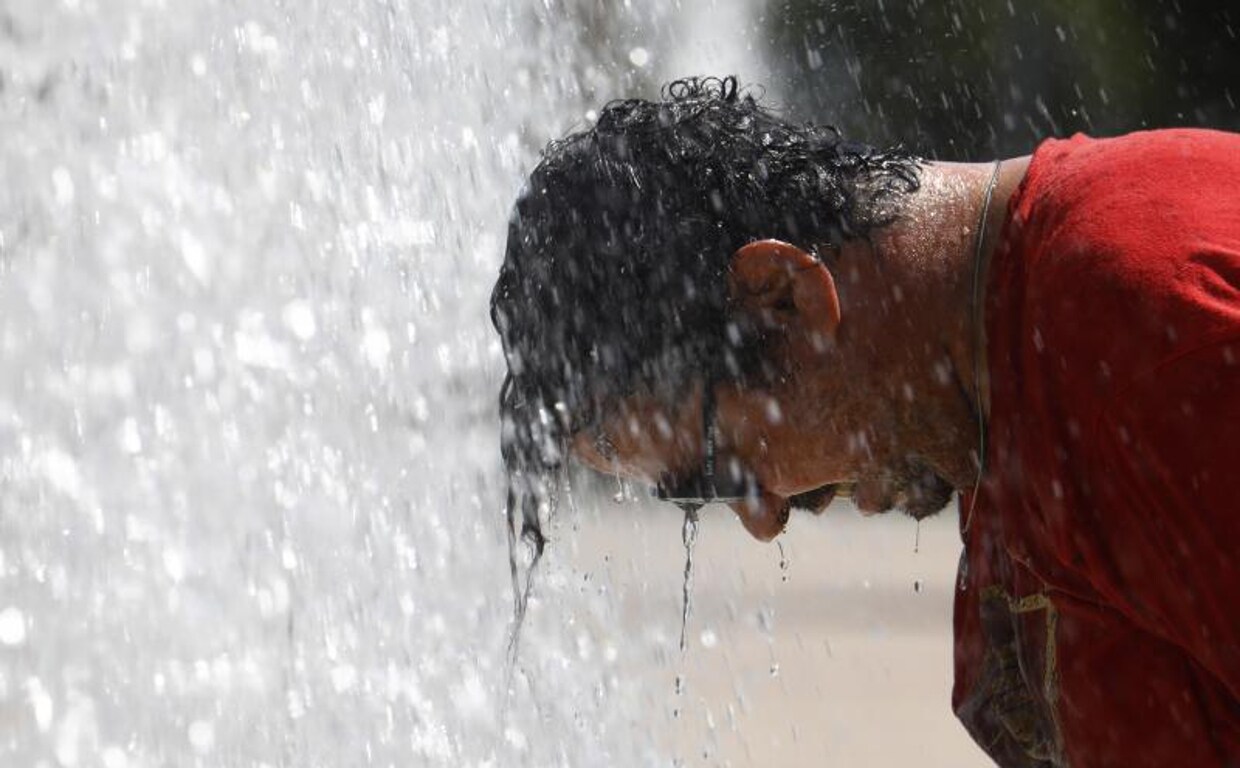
[[250, 501], [962, 80]]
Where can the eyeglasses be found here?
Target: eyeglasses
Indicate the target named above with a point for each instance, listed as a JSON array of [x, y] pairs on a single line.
[[705, 486]]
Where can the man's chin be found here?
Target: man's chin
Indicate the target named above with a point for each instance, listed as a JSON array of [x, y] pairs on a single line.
[[914, 488], [815, 501], [927, 495]]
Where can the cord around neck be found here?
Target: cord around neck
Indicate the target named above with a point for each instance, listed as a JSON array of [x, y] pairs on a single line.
[[978, 320]]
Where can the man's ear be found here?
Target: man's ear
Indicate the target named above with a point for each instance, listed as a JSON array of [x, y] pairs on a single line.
[[786, 288]]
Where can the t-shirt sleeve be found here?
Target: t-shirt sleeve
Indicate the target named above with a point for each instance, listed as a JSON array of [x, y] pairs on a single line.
[[1169, 510]]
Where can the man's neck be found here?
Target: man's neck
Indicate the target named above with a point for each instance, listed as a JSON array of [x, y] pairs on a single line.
[[944, 244], [913, 296]]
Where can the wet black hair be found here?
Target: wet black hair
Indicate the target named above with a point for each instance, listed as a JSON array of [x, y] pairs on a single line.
[[614, 278]]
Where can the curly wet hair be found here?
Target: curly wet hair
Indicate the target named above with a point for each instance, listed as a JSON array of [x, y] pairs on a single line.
[[614, 279]]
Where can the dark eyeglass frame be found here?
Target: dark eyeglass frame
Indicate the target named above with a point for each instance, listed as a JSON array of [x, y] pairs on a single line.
[[705, 486]]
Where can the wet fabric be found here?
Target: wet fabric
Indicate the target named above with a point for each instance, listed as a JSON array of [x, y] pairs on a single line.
[[1097, 614]]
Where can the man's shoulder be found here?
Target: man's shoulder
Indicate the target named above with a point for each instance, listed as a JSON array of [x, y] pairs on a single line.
[[1136, 215], [1125, 252], [1159, 154], [1129, 189]]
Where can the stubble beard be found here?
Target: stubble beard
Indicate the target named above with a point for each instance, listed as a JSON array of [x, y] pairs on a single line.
[[914, 487]]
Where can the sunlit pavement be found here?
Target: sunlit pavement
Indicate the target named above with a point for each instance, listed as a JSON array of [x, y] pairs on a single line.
[[841, 659]]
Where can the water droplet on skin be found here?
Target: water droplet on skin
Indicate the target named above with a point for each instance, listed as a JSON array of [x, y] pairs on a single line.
[[774, 415]]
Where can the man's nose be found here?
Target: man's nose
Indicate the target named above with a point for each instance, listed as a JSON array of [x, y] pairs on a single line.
[[764, 515]]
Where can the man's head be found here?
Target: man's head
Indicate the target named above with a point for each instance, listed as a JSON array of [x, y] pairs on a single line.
[[621, 289]]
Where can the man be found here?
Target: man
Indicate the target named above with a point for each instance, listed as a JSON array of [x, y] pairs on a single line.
[[698, 294]]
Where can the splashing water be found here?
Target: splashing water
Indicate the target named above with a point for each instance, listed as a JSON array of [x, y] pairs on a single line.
[[248, 453]]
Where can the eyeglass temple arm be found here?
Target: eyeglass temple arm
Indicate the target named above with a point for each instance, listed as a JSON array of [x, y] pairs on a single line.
[[709, 407]]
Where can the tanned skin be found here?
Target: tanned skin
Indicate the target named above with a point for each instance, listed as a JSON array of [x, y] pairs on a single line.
[[877, 344]]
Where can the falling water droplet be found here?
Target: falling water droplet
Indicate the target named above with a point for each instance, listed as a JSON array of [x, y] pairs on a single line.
[[917, 539], [917, 585], [783, 562]]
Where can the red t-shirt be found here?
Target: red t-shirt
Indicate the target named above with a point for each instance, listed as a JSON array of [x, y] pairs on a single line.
[[1098, 606]]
